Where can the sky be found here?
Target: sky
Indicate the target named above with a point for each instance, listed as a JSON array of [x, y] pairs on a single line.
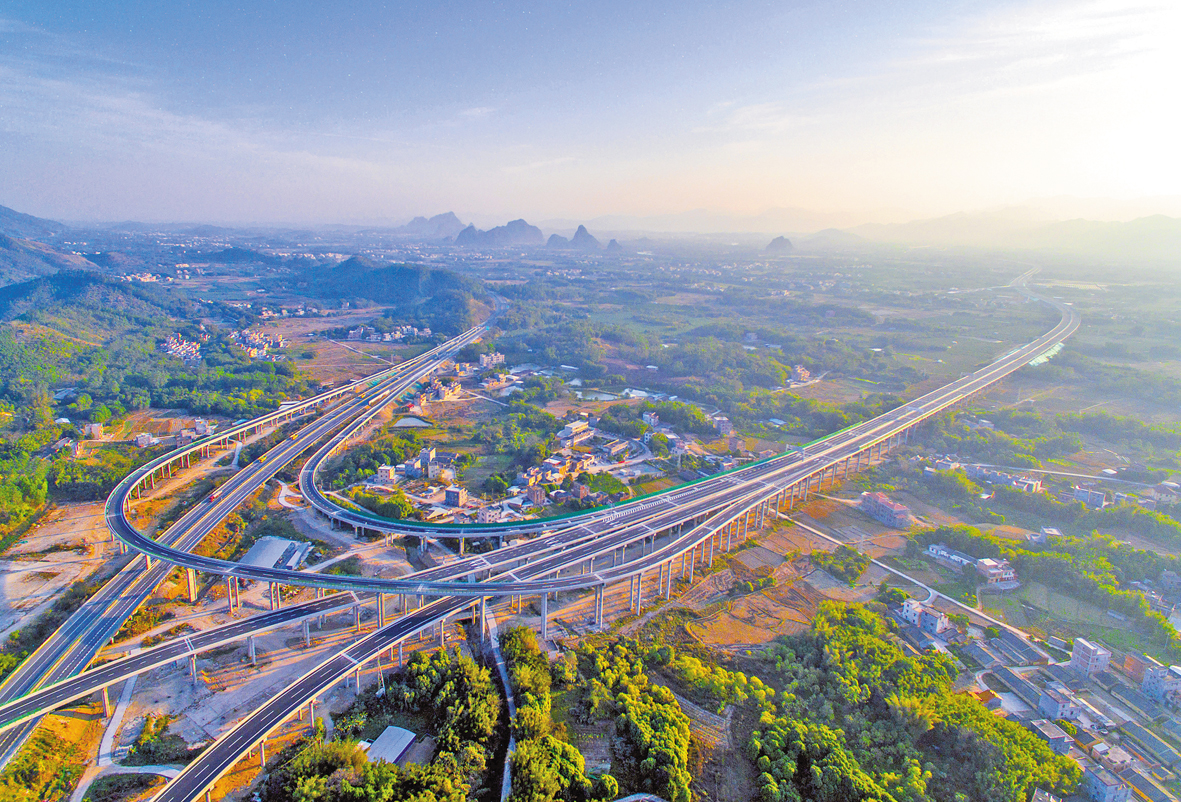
[[819, 112]]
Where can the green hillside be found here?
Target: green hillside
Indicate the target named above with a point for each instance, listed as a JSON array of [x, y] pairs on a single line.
[[440, 299]]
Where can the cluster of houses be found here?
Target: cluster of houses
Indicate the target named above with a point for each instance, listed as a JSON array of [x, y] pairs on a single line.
[[436, 391], [429, 464], [1093, 497], [179, 347], [987, 475], [996, 572], [555, 469], [258, 344], [370, 334], [1115, 768]]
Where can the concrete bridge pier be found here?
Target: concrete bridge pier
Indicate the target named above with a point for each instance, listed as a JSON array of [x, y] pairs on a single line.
[[599, 606], [544, 617], [106, 702], [307, 633], [483, 617], [191, 585], [253, 650]]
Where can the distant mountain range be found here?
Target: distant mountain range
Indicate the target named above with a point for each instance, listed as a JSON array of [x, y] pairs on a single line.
[[440, 227], [516, 232]]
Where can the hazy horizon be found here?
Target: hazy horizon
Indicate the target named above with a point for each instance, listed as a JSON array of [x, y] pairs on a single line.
[[818, 114]]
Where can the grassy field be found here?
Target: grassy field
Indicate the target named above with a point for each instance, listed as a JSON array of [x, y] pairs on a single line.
[[1045, 611]]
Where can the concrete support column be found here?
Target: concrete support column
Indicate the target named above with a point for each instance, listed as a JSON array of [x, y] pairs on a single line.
[[253, 650], [599, 606], [356, 617], [381, 610], [442, 633], [106, 703], [230, 592], [692, 563], [639, 592], [193, 667], [191, 585], [400, 661], [668, 584], [262, 753], [544, 617], [483, 617], [307, 633]]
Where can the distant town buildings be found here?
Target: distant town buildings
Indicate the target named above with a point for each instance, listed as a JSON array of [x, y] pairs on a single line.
[[455, 496], [949, 557], [799, 373], [179, 347], [1052, 734], [1161, 682], [1090, 497], [1055, 704], [1088, 658], [257, 344], [880, 507], [1103, 786], [928, 619], [995, 572], [370, 334], [491, 360]]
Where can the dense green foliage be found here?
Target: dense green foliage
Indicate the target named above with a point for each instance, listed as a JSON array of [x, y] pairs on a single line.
[[101, 337], [423, 296], [449, 690], [544, 767], [363, 460], [857, 719], [845, 563], [155, 745], [1097, 569], [652, 734], [394, 505], [522, 430]]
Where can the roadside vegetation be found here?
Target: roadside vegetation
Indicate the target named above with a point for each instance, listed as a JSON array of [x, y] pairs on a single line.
[[845, 563], [449, 692], [1098, 569]]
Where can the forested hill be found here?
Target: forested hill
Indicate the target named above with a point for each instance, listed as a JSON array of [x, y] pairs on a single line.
[[437, 298], [22, 259], [87, 305], [25, 226]]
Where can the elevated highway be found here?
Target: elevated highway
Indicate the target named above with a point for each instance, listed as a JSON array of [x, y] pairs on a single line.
[[671, 531]]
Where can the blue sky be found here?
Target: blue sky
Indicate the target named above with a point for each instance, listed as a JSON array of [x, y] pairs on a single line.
[[299, 112]]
